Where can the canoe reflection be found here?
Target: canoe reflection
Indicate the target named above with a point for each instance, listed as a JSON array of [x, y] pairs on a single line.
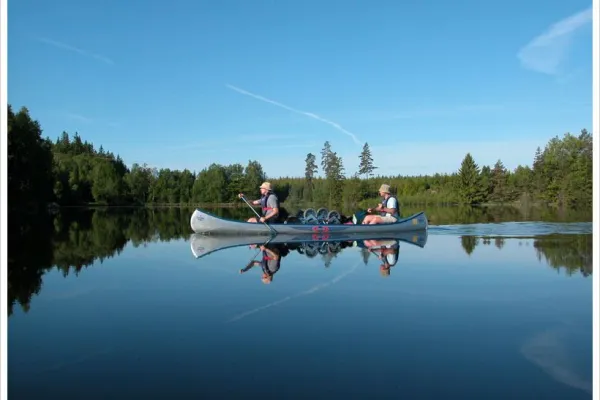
[[272, 251]]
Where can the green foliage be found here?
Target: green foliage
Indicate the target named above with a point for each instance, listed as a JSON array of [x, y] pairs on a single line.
[[30, 163], [70, 171], [472, 183]]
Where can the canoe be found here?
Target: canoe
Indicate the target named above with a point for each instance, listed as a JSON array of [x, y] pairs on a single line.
[[207, 223], [202, 245]]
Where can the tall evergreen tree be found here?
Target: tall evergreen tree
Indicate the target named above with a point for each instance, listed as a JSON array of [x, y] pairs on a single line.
[[309, 175], [335, 179], [470, 189], [498, 182], [326, 157], [366, 166], [311, 166]]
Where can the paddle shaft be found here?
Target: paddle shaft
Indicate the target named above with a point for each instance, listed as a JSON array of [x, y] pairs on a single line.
[[257, 215], [264, 244]]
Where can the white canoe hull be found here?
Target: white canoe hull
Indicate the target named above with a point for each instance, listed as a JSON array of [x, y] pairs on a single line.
[[206, 223]]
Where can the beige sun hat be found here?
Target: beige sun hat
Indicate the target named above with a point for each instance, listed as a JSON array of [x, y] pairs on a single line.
[[384, 188], [265, 185]]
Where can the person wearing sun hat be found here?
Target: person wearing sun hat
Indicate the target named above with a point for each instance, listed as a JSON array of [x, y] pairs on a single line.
[[389, 258], [387, 210], [386, 250], [270, 263], [269, 204]]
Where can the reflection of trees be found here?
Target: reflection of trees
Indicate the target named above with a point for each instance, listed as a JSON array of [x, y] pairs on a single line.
[[29, 255], [469, 243], [569, 252], [74, 239]]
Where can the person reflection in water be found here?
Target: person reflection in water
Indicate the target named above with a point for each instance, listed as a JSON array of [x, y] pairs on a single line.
[[387, 251], [270, 263]]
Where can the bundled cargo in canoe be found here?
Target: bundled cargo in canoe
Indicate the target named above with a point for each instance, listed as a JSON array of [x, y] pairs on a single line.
[[207, 223]]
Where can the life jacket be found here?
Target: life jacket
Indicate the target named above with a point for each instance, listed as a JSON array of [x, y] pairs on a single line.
[[264, 264], [263, 202], [384, 204]]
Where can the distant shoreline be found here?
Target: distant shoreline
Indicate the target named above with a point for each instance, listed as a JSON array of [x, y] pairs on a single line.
[[293, 205]]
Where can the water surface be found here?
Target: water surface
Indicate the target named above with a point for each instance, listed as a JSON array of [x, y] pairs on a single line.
[[117, 304]]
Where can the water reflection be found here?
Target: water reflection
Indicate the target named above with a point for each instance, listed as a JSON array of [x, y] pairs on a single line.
[[269, 262], [569, 253], [74, 240], [554, 351], [386, 248], [460, 301]]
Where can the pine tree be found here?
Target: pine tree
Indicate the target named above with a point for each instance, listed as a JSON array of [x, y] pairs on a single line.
[[326, 157], [499, 181], [366, 166], [309, 174], [470, 187], [335, 179]]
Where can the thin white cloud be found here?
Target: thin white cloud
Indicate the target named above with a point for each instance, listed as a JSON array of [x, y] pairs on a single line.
[[85, 53], [308, 114], [79, 117], [545, 53]]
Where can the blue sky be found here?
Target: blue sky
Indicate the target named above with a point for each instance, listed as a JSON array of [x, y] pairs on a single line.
[[201, 82]]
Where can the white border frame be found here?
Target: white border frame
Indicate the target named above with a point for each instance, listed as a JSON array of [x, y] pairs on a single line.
[[3, 198]]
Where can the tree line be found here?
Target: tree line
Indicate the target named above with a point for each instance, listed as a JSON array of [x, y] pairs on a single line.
[[70, 171]]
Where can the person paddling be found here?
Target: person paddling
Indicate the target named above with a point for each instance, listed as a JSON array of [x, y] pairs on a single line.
[[269, 204], [388, 209], [270, 263], [387, 250]]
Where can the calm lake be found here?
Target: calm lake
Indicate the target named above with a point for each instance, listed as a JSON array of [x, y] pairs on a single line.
[[488, 303]]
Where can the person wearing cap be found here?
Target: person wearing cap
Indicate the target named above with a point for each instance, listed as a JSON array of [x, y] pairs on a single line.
[[269, 204], [387, 210]]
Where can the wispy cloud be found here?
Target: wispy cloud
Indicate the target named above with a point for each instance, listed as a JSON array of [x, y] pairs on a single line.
[[546, 52], [79, 117], [68, 47], [308, 114]]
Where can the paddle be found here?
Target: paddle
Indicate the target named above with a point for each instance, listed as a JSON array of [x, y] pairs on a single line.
[[258, 216], [257, 251]]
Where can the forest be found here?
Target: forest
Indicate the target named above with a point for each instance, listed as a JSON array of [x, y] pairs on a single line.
[[70, 171]]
